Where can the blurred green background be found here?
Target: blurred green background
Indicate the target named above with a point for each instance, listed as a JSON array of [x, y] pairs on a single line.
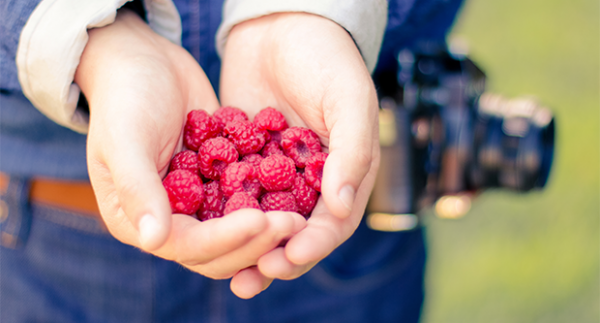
[[533, 257]]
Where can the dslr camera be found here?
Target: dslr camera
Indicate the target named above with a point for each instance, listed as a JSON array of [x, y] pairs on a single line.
[[444, 138]]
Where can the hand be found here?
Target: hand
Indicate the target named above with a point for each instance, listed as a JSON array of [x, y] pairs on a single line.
[[140, 88], [309, 68]]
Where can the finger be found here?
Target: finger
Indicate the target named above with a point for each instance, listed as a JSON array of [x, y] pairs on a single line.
[[324, 232], [352, 140], [276, 265], [249, 282], [280, 226], [140, 192], [193, 243]]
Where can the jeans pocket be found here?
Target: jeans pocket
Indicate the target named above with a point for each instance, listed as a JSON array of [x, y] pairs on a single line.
[[369, 260]]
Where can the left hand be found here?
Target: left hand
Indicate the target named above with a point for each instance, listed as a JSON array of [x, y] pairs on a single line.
[[310, 69]]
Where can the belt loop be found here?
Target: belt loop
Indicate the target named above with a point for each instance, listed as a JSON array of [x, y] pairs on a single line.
[[15, 213]]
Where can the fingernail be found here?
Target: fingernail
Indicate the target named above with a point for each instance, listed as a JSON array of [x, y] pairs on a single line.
[[149, 230], [346, 195]]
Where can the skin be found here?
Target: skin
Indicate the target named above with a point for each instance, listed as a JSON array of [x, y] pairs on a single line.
[[311, 70], [140, 88]]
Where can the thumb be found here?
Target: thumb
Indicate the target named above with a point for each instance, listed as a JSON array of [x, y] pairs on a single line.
[[142, 196], [352, 144]]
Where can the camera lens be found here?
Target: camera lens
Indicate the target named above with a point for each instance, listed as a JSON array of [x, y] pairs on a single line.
[[513, 144]]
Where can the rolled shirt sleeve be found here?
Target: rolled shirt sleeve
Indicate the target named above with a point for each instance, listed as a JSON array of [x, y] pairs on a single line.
[[365, 20], [53, 40], [55, 35]]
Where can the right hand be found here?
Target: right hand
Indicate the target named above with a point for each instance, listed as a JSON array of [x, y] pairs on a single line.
[[140, 88], [310, 69]]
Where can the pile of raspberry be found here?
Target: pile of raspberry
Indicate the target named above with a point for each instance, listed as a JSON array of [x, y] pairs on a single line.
[[231, 163]]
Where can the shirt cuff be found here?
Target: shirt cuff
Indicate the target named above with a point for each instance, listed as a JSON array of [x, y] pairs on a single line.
[[53, 40], [364, 20]]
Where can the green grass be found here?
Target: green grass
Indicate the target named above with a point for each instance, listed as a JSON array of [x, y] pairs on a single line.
[[532, 257]]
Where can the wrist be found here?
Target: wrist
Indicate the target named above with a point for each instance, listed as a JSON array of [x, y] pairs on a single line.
[[281, 41], [288, 28], [364, 20], [118, 47]]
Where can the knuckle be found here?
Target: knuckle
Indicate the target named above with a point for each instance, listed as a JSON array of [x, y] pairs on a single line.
[[363, 159], [128, 188]]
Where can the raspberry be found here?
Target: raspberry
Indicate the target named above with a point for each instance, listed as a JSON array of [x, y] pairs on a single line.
[[299, 144], [186, 159], [271, 148], [276, 173], [225, 115], [278, 201], [240, 177], [241, 200], [314, 170], [185, 191], [270, 119], [207, 215], [306, 196], [248, 139], [214, 155], [213, 204], [253, 159], [198, 128]]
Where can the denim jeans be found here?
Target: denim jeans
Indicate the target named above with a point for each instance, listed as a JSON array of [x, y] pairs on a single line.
[[56, 266]]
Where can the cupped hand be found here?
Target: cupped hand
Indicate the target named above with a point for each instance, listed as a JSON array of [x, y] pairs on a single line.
[[310, 69], [140, 88]]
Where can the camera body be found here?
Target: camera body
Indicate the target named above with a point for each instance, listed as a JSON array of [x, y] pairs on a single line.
[[442, 135]]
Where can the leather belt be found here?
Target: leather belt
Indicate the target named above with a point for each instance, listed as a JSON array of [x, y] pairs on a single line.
[[75, 196]]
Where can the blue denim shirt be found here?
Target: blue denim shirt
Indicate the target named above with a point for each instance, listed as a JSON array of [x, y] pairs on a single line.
[[372, 277]]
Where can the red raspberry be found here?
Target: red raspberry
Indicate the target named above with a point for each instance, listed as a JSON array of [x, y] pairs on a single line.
[[207, 215], [253, 159], [270, 119], [314, 170], [198, 128], [225, 115], [306, 196], [248, 139], [240, 177], [299, 144], [241, 200], [213, 204], [186, 159], [271, 148], [214, 155], [185, 191], [278, 201], [276, 173]]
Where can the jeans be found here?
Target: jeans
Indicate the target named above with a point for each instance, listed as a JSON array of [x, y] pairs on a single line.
[[57, 266]]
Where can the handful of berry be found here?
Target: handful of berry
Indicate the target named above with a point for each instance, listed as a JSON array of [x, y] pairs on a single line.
[[233, 163]]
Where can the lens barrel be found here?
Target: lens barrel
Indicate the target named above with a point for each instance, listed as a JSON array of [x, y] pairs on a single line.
[[513, 144]]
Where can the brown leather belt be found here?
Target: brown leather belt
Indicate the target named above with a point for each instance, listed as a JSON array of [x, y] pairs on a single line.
[[75, 196]]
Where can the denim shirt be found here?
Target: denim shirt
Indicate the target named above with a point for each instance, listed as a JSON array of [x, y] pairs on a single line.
[[32, 145], [372, 277]]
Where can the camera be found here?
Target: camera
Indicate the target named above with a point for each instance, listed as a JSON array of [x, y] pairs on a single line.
[[444, 138]]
